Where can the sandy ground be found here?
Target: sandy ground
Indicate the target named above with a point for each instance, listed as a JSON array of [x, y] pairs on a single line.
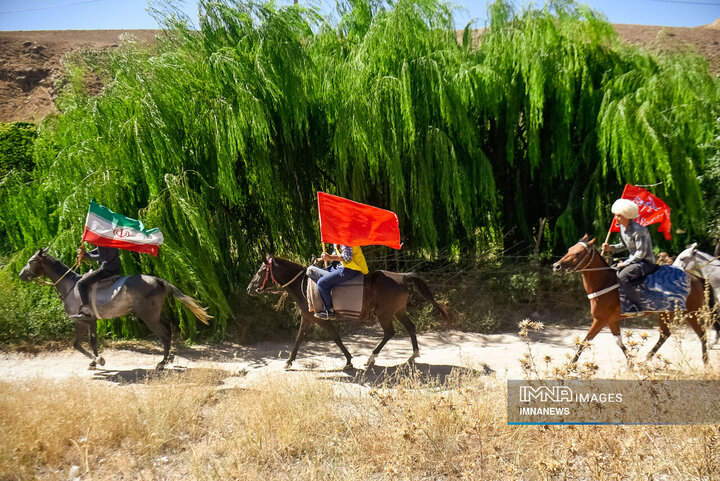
[[441, 352]]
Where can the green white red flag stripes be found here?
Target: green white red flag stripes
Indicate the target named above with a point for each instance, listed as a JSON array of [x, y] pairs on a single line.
[[106, 228]]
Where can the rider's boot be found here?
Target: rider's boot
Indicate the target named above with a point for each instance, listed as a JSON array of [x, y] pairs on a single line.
[[84, 314]]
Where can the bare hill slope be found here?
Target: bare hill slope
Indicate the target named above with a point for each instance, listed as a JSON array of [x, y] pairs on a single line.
[[30, 61]]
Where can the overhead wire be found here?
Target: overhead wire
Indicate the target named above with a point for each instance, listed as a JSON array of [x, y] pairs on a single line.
[[72, 4]]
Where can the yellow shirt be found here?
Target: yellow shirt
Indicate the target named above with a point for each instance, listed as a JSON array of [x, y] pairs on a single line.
[[357, 263]]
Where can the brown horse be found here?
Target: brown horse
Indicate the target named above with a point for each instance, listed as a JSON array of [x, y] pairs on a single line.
[[386, 298], [600, 282]]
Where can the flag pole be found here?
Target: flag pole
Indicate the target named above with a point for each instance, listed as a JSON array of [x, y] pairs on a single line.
[[324, 252], [607, 239]]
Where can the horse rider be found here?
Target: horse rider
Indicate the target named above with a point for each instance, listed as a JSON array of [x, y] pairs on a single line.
[[348, 263], [634, 238], [109, 259]]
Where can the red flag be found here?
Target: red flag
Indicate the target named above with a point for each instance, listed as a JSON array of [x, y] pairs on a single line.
[[349, 223], [652, 210]]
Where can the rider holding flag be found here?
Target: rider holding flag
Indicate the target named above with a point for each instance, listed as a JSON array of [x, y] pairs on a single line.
[[634, 238], [110, 265]]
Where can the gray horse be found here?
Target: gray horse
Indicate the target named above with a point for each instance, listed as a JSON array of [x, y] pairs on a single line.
[[139, 294], [706, 267]]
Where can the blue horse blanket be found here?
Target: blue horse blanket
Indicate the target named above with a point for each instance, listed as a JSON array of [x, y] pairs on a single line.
[[660, 291]]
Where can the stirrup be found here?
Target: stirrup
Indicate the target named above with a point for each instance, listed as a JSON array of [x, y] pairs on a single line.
[[83, 314]]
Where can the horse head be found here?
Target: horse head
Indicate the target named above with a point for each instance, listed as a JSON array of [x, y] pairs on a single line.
[[687, 259], [577, 256], [261, 278], [274, 271], [35, 266]]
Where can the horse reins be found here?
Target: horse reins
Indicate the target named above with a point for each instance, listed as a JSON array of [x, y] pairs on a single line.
[[43, 282], [588, 252], [706, 264], [269, 275], [591, 252]]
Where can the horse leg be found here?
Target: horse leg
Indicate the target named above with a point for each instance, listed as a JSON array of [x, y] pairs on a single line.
[[330, 329], [161, 328], [388, 332], [615, 330], [716, 334], [80, 329], [596, 327], [94, 344], [693, 321], [664, 334], [304, 326], [410, 327]]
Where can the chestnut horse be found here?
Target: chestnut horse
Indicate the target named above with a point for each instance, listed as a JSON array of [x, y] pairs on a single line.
[[386, 299], [600, 282]]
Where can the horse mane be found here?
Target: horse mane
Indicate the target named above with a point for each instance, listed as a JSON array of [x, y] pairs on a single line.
[[58, 266], [287, 262]]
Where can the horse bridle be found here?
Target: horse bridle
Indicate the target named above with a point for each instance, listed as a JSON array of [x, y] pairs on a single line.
[[270, 276], [36, 278], [589, 252]]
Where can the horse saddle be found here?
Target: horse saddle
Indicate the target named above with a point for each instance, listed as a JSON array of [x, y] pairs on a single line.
[[664, 290], [102, 285], [347, 297]]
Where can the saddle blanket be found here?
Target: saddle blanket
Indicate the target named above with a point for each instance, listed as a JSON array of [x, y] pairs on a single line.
[[347, 298], [660, 291]]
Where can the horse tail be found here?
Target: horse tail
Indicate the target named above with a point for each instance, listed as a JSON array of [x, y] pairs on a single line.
[[426, 292], [199, 311]]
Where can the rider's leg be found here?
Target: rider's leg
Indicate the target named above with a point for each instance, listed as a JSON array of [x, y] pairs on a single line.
[[327, 282], [84, 289], [631, 276], [316, 273]]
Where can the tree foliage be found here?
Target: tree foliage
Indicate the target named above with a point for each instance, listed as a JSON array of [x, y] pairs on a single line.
[[222, 135]]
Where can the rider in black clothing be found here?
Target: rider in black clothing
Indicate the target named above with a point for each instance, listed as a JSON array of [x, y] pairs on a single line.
[[109, 259]]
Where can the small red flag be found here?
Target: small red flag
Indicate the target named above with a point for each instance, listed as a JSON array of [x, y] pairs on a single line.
[[343, 221], [652, 210]]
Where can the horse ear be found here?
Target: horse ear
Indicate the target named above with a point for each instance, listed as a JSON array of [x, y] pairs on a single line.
[[585, 237], [591, 241], [268, 257], [693, 246]]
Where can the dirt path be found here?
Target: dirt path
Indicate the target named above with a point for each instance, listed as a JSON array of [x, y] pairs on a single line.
[[487, 354]]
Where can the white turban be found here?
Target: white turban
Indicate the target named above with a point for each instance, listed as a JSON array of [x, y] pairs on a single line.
[[625, 208]]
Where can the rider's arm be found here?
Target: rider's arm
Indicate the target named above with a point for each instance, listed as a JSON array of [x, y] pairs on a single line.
[[618, 247], [643, 245], [93, 255], [346, 254]]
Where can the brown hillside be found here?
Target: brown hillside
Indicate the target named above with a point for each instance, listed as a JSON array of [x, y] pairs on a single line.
[[30, 61]]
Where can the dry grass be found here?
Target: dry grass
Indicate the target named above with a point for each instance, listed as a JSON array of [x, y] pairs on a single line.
[[294, 426]]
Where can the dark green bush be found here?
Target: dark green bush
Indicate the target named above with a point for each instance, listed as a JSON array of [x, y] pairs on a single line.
[[16, 146]]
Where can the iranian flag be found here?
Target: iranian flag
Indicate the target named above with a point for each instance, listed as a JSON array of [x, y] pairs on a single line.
[[106, 228]]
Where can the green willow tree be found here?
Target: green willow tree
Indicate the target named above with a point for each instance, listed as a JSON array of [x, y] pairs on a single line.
[[222, 135]]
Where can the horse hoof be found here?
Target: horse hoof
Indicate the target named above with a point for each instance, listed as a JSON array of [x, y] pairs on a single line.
[[101, 361], [288, 365], [371, 361], [160, 367], [348, 367], [92, 366]]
